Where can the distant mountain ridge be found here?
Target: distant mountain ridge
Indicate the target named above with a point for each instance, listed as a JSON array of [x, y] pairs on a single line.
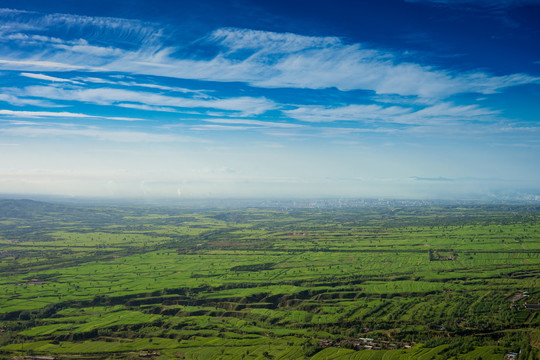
[[24, 208]]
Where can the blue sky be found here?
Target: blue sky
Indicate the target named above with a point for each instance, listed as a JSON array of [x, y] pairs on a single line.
[[391, 98]]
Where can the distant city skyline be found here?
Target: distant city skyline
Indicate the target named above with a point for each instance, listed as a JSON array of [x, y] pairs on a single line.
[[426, 99]]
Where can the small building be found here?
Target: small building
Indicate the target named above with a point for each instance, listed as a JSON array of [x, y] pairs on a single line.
[[511, 356], [532, 306]]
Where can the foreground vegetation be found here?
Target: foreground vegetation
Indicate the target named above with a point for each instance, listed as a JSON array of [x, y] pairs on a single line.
[[416, 282]]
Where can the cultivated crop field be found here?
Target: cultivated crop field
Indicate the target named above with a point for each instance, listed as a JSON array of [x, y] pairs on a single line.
[[393, 282]]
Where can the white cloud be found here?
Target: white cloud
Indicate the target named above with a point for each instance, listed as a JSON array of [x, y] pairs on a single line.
[[439, 114], [289, 60], [38, 65], [63, 114], [201, 93], [109, 96], [460, 111], [48, 78], [271, 42], [360, 113], [123, 30], [96, 80], [341, 131], [26, 39], [252, 122], [260, 58], [4, 11], [97, 51], [18, 101], [147, 107], [214, 127], [96, 133], [448, 113], [21, 122], [34, 114]]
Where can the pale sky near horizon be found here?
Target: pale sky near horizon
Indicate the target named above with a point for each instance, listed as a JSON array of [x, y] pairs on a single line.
[[390, 98]]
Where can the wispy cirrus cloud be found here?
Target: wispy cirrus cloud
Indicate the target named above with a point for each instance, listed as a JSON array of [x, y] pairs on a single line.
[[253, 122], [269, 42], [123, 32], [113, 96], [62, 114], [34, 114], [291, 60], [147, 107], [359, 113], [14, 11], [39, 65], [259, 58], [97, 133], [215, 127], [439, 114], [21, 101], [101, 80], [49, 78], [213, 124], [447, 114]]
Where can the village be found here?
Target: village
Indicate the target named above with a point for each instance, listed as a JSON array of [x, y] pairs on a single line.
[[366, 344], [526, 305]]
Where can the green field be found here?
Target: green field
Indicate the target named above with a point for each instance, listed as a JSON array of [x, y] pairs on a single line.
[[422, 282]]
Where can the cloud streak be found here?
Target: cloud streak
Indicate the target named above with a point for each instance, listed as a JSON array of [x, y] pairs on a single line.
[[112, 96], [49, 78], [96, 133], [62, 114], [438, 114], [253, 122]]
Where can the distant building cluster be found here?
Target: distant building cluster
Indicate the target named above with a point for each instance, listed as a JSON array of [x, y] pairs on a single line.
[[511, 356], [520, 295], [366, 344]]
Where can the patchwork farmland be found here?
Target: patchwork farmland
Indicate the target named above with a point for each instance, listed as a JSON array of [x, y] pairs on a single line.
[[420, 282]]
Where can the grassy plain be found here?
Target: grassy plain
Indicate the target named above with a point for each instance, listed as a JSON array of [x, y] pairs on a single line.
[[423, 282]]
